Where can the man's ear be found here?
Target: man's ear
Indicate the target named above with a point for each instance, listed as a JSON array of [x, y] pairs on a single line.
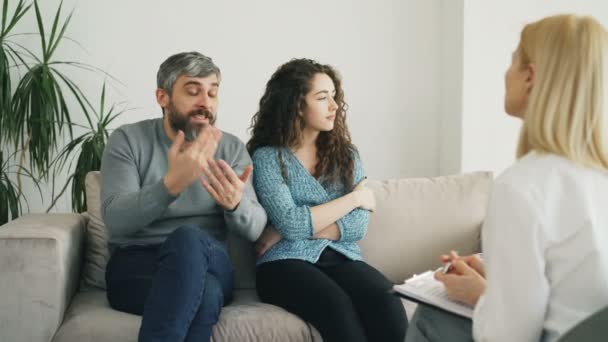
[[162, 97]]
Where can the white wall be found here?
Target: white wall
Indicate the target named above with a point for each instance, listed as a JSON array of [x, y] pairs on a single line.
[[424, 79], [491, 33], [388, 52], [450, 100]]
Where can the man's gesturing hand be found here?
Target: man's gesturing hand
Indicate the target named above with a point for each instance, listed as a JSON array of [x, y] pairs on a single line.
[[187, 161], [224, 185]]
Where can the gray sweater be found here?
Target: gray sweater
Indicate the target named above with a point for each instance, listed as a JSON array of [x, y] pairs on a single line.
[[136, 206]]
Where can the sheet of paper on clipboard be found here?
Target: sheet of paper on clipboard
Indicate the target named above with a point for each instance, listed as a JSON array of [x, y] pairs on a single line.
[[424, 288]]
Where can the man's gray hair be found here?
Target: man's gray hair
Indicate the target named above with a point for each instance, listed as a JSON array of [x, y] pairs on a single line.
[[192, 64]]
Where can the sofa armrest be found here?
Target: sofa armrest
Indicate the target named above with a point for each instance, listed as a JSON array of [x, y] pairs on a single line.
[[40, 259]]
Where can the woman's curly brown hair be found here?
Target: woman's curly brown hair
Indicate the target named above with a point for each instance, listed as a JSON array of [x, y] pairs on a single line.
[[278, 124]]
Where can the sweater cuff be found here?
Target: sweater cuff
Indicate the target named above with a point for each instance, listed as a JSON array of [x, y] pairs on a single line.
[[160, 192], [239, 217]]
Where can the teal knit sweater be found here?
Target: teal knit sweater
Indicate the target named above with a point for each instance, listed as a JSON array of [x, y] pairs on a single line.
[[288, 204]]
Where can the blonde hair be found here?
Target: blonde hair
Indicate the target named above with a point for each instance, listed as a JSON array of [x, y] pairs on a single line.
[[567, 105]]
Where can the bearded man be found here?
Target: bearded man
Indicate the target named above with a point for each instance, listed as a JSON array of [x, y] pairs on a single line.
[[171, 188]]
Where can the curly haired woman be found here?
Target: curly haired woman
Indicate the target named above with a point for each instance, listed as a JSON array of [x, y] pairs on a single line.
[[310, 180]]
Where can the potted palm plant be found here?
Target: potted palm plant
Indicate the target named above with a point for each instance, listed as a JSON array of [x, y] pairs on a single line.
[[36, 111]]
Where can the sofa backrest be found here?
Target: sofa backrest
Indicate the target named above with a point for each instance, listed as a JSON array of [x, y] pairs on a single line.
[[418, 219], [415, 221]]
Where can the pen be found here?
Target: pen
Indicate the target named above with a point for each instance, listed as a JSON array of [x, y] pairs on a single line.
[[446, 267]]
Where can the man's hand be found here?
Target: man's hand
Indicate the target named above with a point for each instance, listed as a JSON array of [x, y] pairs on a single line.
[[463, 284], [187, 162], [224, 185], [270, 237]]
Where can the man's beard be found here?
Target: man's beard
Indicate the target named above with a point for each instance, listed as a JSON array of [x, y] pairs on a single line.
[[181, 122]]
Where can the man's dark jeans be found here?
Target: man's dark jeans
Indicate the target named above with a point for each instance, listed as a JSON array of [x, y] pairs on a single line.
[[179, 286]]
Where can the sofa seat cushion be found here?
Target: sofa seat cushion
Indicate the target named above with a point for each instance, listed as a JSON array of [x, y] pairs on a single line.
[[90, 318]]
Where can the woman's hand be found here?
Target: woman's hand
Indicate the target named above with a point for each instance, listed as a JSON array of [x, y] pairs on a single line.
[[364, 196], [270, 237], [474, 261], [463, 284]]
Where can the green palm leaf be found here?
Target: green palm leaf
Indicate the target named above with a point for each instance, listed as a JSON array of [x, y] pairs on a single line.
[[7, 54], [10, 206], [20, 11], [90, 147], [10, 197], [40, 114]]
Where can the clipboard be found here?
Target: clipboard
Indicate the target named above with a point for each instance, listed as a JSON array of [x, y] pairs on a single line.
[[425, 289]]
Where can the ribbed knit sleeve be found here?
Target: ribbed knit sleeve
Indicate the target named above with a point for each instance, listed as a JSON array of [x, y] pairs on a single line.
[[353, 226]]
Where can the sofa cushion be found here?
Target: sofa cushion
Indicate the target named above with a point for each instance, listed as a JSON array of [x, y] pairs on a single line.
[[91, 319], [96, 242], [417, 219], [40, 262]]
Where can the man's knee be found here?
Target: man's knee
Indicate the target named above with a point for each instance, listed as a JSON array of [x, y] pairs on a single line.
[[183, 248]]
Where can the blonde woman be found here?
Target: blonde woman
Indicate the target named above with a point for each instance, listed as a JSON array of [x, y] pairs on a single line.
[[545, 237]]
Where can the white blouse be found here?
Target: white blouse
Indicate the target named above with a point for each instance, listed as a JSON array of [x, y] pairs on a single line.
[[545, 248]]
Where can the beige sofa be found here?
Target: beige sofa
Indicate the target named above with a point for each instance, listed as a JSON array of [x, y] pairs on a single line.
[[51, 265]]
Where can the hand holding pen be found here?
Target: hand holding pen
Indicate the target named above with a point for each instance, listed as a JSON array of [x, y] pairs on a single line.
[[463, 277], [475, 261]]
